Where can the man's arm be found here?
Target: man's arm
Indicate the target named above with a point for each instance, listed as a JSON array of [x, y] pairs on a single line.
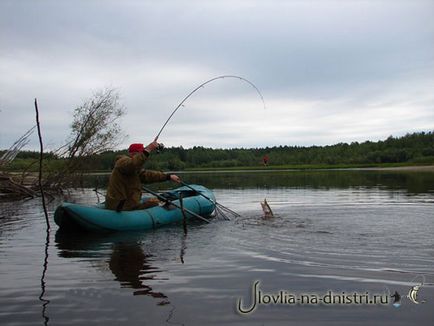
[[149, 176]]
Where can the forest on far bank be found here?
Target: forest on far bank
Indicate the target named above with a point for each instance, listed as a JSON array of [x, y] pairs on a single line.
[[414, 148]]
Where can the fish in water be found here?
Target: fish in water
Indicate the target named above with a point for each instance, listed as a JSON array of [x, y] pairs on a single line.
[[268, 213], [412, 294]]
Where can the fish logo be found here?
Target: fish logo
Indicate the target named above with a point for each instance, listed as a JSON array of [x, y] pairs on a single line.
[[413, 294]]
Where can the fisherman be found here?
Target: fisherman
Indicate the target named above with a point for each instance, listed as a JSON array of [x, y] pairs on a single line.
[[124, 191]]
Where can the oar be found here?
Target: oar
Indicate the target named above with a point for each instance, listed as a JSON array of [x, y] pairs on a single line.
[[212, 201], [184, 219], [162, 198]]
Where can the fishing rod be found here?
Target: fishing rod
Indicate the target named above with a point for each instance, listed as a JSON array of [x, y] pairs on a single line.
[[201, 86], [162, 198], [212, 201], [219, 207]]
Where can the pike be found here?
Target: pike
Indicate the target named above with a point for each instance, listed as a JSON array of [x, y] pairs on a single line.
[[268, 213]]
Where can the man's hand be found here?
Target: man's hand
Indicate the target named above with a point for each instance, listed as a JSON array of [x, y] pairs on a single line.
[[175, 178], [151, 147], [151, 202]]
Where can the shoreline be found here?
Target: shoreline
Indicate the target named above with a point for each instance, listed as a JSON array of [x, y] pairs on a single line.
[[416, 168], [401, 168], [409, 168]]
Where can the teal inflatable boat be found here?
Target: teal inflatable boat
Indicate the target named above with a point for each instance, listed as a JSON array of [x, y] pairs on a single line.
[[70, 216]]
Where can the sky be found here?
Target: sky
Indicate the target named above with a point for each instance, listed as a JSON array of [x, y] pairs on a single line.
[[329, 71]]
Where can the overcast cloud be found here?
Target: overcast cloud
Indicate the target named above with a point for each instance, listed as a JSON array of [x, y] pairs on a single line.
[[330, 71]]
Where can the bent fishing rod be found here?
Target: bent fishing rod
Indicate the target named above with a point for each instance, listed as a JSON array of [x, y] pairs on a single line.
[[202, 86], [218, 205]]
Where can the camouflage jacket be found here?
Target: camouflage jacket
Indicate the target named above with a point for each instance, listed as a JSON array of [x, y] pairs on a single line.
[[125, 185]]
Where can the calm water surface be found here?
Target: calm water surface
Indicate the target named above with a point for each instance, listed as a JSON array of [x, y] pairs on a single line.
[[344, 231]]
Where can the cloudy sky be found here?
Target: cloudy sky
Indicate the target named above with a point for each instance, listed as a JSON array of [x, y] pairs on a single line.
[[330, 71]]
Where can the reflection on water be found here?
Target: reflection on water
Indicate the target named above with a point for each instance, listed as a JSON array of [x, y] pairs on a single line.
[[413, 182], [131, 267], [357, 230], [128, 262], [44, 301]]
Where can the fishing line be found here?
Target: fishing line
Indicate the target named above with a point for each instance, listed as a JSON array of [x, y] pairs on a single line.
[[419, 276], [201, 86]]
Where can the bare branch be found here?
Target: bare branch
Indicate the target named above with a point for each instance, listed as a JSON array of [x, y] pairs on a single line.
[[16, 147]]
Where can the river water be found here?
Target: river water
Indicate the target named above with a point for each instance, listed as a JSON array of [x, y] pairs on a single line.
[[336, 234]]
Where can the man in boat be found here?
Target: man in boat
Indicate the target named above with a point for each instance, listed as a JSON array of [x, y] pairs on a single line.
[[124, 190]]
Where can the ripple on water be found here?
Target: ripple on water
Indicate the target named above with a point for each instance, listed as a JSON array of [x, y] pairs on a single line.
[[358, 235]]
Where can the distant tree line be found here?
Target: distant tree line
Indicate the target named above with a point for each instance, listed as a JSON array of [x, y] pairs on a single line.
[[417, 148]]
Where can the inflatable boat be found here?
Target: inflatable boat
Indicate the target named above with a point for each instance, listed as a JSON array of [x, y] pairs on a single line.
[[195, 199]]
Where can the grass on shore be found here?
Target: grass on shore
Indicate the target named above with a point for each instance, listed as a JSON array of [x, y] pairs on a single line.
[[310, 167], [20, 165]]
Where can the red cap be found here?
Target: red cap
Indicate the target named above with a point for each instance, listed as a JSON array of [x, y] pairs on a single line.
[[136, 148]]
